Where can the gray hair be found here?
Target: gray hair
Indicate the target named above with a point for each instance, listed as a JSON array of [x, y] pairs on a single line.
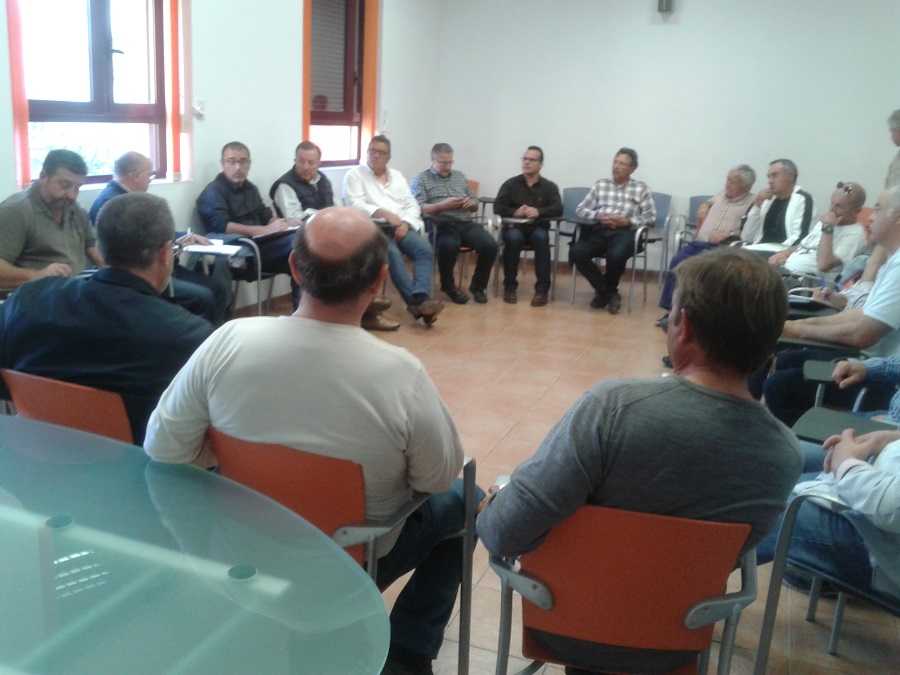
[[128, 163], [440, 149], [894, 120], [747, 174], [788, 165], [131, 228]]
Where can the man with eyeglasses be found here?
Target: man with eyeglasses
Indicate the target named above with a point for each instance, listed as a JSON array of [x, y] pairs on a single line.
[[781, 214], [231, 204], [113, 330], [836, 237], [445, 198], [383, 194], [206, 295], [532, 201]]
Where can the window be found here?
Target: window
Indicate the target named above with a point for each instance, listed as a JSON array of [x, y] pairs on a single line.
[[95, 81], [336, 81]]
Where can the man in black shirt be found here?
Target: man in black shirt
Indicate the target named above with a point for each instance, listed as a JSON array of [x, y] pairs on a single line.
[[534, 199], [781, 214], [113, 330]]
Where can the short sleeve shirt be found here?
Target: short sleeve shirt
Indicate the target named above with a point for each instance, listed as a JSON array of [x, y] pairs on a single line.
[[31, 238], [883, 304]]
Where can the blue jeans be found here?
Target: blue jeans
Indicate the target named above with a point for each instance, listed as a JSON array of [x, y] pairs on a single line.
[[415, 247], [822, 539], [690, 249], [423, 609]]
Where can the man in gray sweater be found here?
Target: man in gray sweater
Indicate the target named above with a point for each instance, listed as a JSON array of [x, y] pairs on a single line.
[[695, 445]]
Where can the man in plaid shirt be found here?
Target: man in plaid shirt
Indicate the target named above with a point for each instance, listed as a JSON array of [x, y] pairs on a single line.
[[618, 205]]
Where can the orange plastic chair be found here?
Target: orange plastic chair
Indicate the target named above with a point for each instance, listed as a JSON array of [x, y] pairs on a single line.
[[330, 494], [69, 405], [632, 580]]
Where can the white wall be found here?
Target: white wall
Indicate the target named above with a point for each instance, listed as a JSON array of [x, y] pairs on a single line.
[[718, 83]]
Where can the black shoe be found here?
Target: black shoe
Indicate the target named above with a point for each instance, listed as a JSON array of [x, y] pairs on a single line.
[[667, 362], [663, 323], [510, 296], [615, 303], [395, 666], [478, 295], [457, 295], [600, 300]]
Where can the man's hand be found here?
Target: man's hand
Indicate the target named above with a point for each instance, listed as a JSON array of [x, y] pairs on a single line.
[[275, 225], [778, 259], [452, 203], [469, 204], [849, 446], [762, 196], [492, 492], [828, 218], [401, 231], [188, 239], [54, 270], [848, 373], [519, 212], [530, 212]]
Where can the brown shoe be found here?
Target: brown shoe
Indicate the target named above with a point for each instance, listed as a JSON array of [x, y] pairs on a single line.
[[378, 322], [426, 310], [539, 300], [379, 304], [509, 296]]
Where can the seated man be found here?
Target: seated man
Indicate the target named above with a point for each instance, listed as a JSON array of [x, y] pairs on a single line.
[[113, 330], [862, 545], [780, 215], [528, 195], [619, 205], [207, 295], [340, 393], [835, 238], [893, 176], [722, 222], [303, 187], [875, 327], [43, 230], [231, 204], [383, 193], [445, 198], [694, 445]]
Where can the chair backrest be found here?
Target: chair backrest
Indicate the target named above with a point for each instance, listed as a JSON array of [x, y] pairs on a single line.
[[69, 405], [663, 203], [474, 186], [572, 197], [695, 204], [326, 491], [626, 578], [197, 224]]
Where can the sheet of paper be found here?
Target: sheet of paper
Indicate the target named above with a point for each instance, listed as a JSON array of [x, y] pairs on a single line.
[[213, 249]]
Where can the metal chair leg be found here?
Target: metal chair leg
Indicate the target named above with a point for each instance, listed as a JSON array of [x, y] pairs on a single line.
[[252, 244], [703, 662], [504, 633], [836, 624], [555, 261], [814, 592], [726, 646], [465, 590]]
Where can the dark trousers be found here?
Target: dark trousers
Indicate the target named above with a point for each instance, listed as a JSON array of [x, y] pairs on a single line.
[[514, 240], [206, 295], [789, 395], [424, 606], [617, 246], [449, 238], [274, 253], [689, 250]]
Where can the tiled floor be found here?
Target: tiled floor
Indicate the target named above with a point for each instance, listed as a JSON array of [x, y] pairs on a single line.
[[508, 372]]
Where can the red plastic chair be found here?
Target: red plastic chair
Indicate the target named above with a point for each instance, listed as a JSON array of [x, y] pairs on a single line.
[[629, 579], [69, 405]]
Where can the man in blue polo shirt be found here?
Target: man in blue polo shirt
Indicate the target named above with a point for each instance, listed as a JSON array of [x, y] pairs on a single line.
[[111, 331]]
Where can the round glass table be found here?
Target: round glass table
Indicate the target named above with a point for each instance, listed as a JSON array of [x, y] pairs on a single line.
[[113, 563]]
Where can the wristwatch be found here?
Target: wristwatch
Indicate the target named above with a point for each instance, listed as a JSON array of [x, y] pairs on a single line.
[[828, 229]]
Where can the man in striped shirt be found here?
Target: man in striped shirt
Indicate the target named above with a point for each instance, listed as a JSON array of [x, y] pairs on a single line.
[[619, 205]]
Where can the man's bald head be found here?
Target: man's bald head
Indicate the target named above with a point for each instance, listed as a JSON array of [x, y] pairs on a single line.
[[339, 254]]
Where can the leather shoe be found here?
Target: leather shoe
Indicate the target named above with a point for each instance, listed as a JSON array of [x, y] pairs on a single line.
[[539, 300], [457, 295], [509, 296], [600, 300], [615, 303], [380, 303], [478, 295], [378, 322], [426, 310]]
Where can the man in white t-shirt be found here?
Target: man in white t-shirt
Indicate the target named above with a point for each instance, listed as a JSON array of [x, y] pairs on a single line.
[[316, 381], [836, 238], [382, 192]]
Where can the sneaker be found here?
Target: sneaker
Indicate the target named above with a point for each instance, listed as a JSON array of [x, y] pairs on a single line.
[[539, 299], [615, 303], [600, 300], [510, 296], [457, 295], [478, 295], [378, 322]]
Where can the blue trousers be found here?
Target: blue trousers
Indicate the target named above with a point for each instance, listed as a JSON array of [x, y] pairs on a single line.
[[690, 249], [417, 248], [423, 609], [514, 240]]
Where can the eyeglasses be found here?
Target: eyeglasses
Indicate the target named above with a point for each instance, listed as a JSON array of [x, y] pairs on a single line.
[[231, 161], [846, 187]]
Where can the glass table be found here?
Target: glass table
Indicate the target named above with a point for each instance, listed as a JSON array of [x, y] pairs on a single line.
[[113, 563]]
